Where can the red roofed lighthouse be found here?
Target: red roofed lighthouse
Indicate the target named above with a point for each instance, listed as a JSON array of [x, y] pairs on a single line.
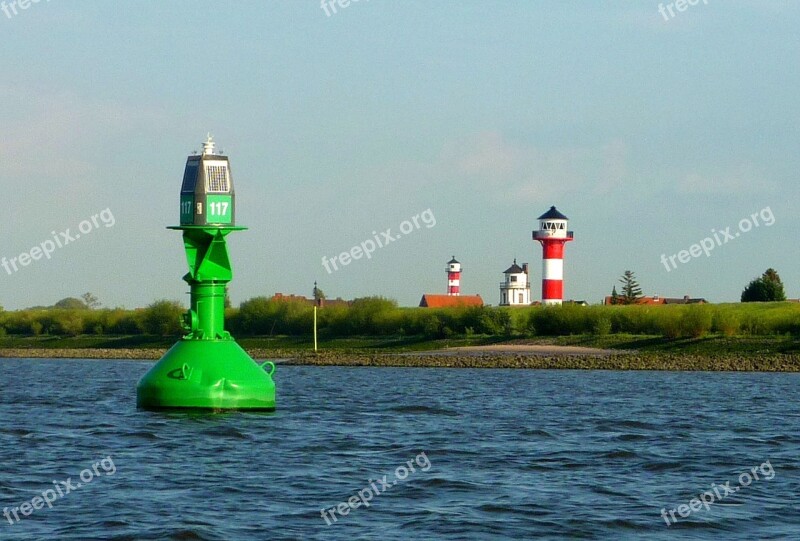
[[453, 271], [553, 235], [454, 298]]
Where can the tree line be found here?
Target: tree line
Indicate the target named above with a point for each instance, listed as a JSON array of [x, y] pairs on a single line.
[[766, 288], [377, 316]]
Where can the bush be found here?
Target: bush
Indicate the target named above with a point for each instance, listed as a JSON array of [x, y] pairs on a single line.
[[378, 316], [669, 323], [726, 322], [163, 318], [601, 326], [697, 320], [559, 320], [67, 323]]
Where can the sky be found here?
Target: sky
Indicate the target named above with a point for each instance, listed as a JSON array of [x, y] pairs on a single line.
[[650, 131]]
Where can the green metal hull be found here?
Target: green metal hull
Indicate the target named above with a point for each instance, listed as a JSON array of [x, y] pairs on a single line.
[[209, 375]]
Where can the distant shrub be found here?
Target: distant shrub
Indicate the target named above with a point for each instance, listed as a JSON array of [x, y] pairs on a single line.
[[559, 320], [71, 303], [66, 323], [726, 322], [377, 316], [601, 326], [697, 320], [669, 323], [163, 318]]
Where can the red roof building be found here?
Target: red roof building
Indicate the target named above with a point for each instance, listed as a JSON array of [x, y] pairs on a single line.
[[450, 301], [655, 299]]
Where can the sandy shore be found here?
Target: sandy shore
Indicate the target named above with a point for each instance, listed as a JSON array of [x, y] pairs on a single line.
[[82, 353], [299, 356], [529, 349]]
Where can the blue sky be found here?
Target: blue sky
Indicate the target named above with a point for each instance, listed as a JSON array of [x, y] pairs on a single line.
[[648, 133]]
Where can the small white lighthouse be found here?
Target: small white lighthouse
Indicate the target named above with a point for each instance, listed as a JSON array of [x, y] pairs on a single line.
[[453, 271], [553, 235], [516, 289]]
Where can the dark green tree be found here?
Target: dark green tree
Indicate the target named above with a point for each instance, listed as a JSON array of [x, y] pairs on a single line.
[[70, 303], [227, 303], [631, 291], [767, 288], [91, 301], [614, 295], [163, 318]]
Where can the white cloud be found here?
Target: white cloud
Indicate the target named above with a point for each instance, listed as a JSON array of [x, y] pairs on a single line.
[[742, 179], [518, 172], [53, 134]]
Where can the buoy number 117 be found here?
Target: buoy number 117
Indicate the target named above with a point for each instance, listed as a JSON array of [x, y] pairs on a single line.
[[219, 208]]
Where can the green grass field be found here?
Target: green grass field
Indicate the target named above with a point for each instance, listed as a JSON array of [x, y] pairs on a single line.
[[379, 325], [710, 345]]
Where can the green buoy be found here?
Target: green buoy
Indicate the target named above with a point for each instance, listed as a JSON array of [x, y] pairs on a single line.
[[207, 369]]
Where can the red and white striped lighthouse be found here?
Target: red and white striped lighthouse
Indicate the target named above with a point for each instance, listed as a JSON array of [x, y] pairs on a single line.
[[553, 235], [453, 271]]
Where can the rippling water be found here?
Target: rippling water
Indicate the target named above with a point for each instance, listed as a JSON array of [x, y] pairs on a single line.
[[507, 455]]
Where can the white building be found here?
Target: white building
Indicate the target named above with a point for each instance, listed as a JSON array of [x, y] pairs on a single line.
[[516, 289]]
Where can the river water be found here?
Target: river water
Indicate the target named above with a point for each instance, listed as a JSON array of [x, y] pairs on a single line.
[[422, 454]]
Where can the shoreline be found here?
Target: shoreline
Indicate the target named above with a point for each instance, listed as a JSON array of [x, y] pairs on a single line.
[[484, 357]]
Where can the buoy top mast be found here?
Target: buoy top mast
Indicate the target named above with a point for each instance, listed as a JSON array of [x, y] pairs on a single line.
[[208, 146]]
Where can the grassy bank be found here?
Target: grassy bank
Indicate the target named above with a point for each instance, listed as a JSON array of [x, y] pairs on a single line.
[[379, 317], [290, 346], [713, 353], [753, 336], [708, 346]]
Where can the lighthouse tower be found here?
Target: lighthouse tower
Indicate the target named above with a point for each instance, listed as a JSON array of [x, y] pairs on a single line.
[[453, 271], [553, 235]]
